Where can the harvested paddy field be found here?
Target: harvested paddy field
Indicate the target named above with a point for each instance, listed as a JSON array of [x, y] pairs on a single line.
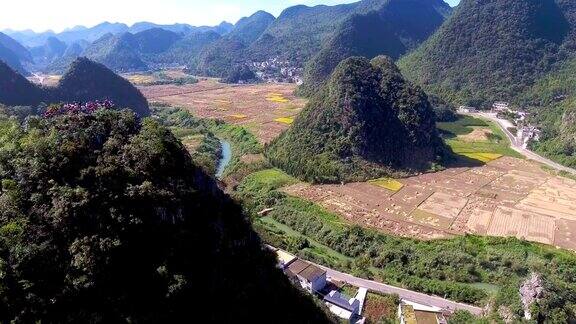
[[506, 197], [264, 109]]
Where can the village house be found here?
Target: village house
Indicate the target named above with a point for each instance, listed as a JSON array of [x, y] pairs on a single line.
[[342, 306], [466, 109], [311, 277], [500, 107]]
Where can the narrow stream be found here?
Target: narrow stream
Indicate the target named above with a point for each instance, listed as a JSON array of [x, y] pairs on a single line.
[[225, 160]]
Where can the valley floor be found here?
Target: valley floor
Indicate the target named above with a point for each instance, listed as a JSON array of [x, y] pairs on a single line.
[[264, 109], [489, 190], [505, 197]]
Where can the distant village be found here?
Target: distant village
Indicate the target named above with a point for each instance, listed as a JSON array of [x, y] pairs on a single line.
[[314, 280], [276, 70], [515, 121]]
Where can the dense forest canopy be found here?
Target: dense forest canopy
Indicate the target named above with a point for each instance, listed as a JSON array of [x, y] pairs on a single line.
[[105, 219], [389, 28], [551, 102], [494, 50], [366, 122]]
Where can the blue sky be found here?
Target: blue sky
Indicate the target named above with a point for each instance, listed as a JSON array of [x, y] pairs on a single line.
[[40, 15]]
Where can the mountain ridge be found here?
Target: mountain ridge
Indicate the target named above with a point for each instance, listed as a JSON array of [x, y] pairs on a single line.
[[84, 81]]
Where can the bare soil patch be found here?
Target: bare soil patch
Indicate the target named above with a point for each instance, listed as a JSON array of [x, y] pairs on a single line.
[[506, 197], [479, 134]]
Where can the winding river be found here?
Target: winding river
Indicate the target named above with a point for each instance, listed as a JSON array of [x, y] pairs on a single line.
[[225, 159]]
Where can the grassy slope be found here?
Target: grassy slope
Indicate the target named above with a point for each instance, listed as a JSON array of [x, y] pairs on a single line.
[[497, 143]]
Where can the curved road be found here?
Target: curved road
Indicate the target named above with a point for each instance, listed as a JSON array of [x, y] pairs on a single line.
[[516, 146]]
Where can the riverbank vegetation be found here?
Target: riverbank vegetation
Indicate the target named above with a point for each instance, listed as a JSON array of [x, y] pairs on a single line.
[[208, 153]]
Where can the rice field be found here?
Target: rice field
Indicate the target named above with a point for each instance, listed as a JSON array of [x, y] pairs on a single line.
[[387, 183], [277, 98], [266, 110], [285, 120]]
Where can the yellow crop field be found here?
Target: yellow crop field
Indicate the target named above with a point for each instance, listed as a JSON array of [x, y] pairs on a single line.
[[285, 120], [140, 79], [277, 97], [387, 183], [482, 157], [238, 116]]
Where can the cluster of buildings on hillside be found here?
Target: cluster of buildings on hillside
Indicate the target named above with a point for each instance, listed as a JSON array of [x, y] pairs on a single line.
[[276, 70], [314, 280], [525, 132], [518, 119]]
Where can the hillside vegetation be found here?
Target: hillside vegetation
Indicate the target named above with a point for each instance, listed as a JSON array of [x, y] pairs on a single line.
[[494, 50], [392, 29], [105, 219], [367, 122], [552, 102]]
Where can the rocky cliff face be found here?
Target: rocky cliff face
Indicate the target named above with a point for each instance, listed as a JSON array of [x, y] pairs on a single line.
[[531, 291]]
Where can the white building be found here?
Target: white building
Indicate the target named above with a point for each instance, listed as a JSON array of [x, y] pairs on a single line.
[[311, 277], [341, 306], [500, 106], [466, 109]]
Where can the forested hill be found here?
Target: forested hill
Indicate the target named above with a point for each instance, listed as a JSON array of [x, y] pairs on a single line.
[[15, 89], [14, 54], [88, 81], [117, 52], [227, 53], [105, 219], [248, 29], [299, 31], [392, 28], [84, 81], [494, 49], [366, 122]]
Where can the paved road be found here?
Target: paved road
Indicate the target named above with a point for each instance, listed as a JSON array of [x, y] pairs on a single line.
[[516, 146], [410, 295]]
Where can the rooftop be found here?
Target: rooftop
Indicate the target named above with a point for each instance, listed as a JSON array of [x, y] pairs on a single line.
[[305, 270], [337, 299], [284, 258]]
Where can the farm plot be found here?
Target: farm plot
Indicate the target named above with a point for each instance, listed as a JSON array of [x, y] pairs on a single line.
[[522, 224], [265, 109], [505, 197]]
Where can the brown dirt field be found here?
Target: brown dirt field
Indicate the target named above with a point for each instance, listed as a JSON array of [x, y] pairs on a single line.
[[522, 224], [377, 308], [444, 204], [479, 134], [252, 106], [506, 197]]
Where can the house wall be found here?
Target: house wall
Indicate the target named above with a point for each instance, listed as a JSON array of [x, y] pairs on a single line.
[[319, 283]]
